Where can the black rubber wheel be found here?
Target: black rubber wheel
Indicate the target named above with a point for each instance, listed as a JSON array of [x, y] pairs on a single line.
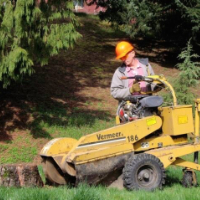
[[187, 180], [143, 171]]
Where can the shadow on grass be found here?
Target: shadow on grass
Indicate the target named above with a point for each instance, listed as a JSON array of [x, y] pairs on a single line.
[[38, 116]]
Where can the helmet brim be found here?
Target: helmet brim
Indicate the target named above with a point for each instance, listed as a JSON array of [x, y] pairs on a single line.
[[125, 53]]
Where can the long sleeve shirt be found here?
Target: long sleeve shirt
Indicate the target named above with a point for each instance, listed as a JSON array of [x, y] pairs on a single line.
[[120, 88]]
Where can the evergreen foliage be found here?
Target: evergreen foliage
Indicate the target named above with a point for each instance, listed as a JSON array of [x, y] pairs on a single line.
[[174, 20], [30, 33], [188, 77]]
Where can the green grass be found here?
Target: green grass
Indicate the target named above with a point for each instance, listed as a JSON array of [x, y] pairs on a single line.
[[84, 192], [19, 154], [42, 174], [3, 147]]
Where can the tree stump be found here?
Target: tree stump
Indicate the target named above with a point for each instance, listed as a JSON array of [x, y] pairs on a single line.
[[20, 175]]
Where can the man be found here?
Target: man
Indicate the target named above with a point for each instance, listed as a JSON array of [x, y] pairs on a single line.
[[130, 67]]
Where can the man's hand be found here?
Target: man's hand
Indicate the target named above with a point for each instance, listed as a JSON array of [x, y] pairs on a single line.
[[135, 88], [138, 77]]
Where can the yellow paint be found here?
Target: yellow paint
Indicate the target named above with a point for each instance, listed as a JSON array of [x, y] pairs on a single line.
[[177, 120], [197, 104], [101, 153], [183, 163], [197, 119], [169, 154], [162, 80], [117, 120], [58, 146], [113, 141], [158, 142]]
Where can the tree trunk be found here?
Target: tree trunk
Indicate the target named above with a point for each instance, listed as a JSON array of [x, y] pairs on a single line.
[[19, 175]]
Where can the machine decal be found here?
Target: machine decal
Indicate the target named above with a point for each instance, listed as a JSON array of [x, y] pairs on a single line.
[[144, 145], [151, 121], [109, 136], [102, 142], [182, 119], [132, 138]]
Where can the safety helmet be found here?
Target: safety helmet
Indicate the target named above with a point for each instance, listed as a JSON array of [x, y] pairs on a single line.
[[122, 49]]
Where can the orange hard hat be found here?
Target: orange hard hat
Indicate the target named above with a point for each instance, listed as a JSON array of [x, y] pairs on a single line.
[[122, 49]]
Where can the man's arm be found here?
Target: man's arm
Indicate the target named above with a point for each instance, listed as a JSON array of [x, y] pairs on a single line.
[[118, 89]]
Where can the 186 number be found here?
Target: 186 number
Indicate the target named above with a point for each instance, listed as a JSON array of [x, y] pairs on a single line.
[[131, 138]]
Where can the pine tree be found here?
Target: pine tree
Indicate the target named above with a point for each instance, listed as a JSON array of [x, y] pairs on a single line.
[[31, 32], [188, 76]]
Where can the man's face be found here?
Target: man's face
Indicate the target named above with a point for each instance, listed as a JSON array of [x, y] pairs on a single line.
[[128, 59]]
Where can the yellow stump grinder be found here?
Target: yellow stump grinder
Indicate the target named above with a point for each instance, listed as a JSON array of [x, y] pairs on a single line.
[[147, 138]]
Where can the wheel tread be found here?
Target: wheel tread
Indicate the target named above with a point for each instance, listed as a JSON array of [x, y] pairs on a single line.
[[131, 164]]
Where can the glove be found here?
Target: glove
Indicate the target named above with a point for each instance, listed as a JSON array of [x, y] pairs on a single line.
[[138, 77], [135, 88]]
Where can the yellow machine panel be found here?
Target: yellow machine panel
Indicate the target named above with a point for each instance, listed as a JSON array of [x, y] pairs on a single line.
[[177, 120]]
